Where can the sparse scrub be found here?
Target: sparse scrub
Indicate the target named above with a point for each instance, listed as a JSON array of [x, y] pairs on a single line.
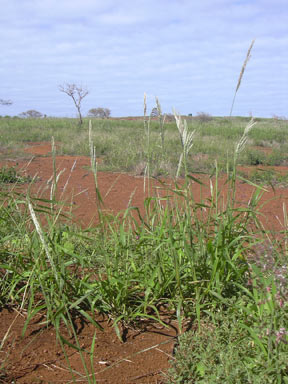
[[254, 157], [267, 177], [110, 135]]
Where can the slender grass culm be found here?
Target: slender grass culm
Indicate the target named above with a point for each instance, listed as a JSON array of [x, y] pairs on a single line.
[[147, 123], [241, 74], [161, 119], [94, 168], [186, 138], [239, 147]]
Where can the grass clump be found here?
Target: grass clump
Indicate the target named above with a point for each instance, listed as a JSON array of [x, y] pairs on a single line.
[[267, 177], [9, 175]]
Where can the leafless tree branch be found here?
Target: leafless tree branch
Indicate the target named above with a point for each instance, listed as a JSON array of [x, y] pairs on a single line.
[[77, 93]]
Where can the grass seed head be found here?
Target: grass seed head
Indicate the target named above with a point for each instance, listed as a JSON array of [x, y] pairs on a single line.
[[244, 64]]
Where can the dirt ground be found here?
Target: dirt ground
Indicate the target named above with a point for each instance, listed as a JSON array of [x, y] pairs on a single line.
[[144, 356], [37, 358]]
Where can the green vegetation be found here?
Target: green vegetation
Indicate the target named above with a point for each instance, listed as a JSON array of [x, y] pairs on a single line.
[[122, 145], [227, 350], [205, 261], [267, 177], [9, 175]]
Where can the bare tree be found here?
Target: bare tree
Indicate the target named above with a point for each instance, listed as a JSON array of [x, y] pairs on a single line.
[[103, 113], [32, 113], [5, 102], [77, 93]]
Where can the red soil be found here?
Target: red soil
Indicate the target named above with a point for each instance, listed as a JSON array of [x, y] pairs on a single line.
[[145, 354], [37, 358]]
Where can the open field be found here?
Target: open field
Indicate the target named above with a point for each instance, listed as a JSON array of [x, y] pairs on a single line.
[[120, 278], [122, 145]]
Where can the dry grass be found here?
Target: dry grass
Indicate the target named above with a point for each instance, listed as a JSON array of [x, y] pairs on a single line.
[[242, 73]]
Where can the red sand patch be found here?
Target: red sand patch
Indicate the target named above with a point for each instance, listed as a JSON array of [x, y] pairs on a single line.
[[37, 358], [118, 190], [39, 148]]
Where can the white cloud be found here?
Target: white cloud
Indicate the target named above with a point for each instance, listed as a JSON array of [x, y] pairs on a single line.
[[189, 53]]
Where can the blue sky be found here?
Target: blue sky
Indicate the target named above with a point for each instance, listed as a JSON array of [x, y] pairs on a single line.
[[188, 53]]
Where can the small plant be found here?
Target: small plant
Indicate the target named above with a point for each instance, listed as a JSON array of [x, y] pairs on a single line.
[[9, 175], [267, 177], [161, 120]]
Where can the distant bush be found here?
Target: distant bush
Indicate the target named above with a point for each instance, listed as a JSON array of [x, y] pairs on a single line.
[[31, 113], [275, 117], [204, 117], [254, 157], [103, 113]]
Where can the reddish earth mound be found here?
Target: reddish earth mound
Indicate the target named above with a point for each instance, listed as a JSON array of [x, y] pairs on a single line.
[[142, 358]]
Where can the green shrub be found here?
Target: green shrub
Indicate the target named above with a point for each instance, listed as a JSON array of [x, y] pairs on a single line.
[[254, 157], [225, 353], [9, 175]]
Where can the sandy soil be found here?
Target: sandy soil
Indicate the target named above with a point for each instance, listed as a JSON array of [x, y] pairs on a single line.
[[144, 356]]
